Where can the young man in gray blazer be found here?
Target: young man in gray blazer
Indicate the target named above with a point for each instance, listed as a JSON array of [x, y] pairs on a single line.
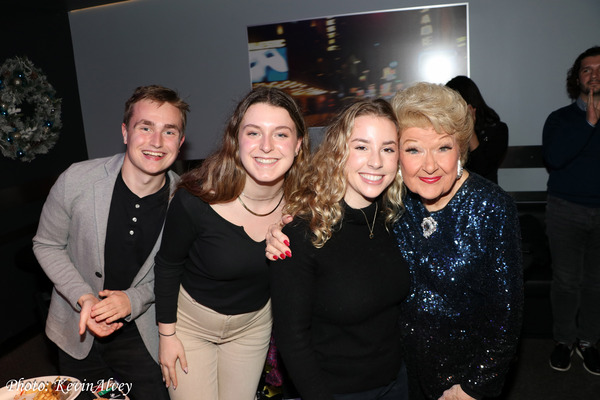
[[99, 231]]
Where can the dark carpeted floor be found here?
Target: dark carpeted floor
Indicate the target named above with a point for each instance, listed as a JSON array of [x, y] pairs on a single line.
[[531, 377]]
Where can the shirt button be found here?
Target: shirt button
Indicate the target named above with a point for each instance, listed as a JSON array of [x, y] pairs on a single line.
[[137, 206], [131, 233], [98, 274], [134, 219]]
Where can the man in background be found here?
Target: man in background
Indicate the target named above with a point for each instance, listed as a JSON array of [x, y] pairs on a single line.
[[571, 147]]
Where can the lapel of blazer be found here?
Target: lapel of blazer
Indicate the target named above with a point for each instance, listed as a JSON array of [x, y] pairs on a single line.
[[103, 190]]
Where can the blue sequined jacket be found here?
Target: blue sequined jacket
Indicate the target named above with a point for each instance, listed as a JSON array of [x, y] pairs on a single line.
[[463, 316]]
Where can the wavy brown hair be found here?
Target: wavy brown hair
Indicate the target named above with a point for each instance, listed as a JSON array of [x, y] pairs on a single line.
[[426, 105], [319, 197], [221, 177]]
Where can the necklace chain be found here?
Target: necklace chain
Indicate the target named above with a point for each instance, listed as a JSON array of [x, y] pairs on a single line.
[[371, 234], [261, 215], [265, 199]]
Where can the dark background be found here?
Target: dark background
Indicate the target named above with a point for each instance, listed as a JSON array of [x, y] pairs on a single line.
[[38, 30]]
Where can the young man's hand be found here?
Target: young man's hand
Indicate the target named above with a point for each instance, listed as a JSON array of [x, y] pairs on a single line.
[[114, 305]]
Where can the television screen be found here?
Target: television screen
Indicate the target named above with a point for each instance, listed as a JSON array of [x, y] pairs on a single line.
[[324, 62]]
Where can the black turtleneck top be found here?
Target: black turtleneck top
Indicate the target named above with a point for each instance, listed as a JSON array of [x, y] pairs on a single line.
[[335, 308]]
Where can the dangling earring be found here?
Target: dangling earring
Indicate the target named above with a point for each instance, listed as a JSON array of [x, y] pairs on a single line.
[[459, 170]]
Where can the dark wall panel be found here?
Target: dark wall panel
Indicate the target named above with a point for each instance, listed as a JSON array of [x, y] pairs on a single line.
[[44, 37]]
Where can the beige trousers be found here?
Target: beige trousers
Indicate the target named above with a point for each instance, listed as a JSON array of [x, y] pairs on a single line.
[[225, 353]]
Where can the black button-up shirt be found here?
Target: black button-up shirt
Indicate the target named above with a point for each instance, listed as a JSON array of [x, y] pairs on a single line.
[[134, 224]]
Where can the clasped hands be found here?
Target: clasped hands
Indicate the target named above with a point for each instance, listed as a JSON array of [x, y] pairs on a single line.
[[101, 315]]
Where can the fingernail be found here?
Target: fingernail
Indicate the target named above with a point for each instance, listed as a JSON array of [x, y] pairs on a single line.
[[282, 256], [185, 370], [288, 253], [287, 243], [275, 257]]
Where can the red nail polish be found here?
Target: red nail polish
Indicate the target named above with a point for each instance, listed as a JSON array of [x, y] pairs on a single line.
[[282, 256], [288, 253], [287, 243], [275, 257]]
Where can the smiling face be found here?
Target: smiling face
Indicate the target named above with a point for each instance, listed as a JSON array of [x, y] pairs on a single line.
[[372, 161], [153, 138], [429, 165], [589, 76], [268, 143]]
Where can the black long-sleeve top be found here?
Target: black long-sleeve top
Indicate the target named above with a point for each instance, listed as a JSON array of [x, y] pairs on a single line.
[[487, 157], [215, 261], [335, 309]]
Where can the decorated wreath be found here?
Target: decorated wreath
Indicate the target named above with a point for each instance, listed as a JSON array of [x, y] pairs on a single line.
[[29, 110]]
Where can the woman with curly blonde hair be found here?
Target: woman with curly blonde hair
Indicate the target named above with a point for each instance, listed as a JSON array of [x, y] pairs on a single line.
[[336, 302]]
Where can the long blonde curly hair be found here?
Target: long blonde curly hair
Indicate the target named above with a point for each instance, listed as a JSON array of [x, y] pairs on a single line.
[[323, 184]]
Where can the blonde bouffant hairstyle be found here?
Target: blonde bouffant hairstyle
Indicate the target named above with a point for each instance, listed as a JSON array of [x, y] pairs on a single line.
[[319, 196], [426, 105]]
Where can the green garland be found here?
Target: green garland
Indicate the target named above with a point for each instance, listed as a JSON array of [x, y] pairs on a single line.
[[29, 110]]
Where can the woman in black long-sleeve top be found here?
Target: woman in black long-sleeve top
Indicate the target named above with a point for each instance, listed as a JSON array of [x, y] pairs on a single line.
[[212, 303], [336, 299]]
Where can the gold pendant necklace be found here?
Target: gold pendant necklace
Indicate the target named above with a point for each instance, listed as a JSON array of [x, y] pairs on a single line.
[[261, 215], [371, 234]]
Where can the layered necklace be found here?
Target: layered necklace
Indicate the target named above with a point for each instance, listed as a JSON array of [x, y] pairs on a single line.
[[265, 199], [371, 227]]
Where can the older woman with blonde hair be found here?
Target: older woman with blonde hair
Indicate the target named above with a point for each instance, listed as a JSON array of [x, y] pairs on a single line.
[[336, 301], [460, 236]]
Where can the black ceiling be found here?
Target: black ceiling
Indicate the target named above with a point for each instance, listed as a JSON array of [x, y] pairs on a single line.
[[40, 6]]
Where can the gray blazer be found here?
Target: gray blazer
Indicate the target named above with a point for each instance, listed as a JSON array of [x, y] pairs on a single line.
[[69, 246]]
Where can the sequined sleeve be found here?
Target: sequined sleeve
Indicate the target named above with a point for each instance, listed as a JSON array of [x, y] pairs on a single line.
[[463, 316], [500, 283]]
